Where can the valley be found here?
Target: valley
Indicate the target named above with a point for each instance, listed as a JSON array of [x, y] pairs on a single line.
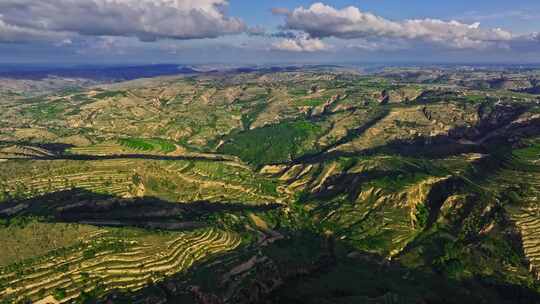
[[305, 185]]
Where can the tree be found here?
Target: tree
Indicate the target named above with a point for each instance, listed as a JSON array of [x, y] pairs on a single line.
[[59, 294], [422, 215]]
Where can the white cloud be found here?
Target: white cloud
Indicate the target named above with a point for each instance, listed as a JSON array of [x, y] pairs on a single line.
[[11, 33], [534, 37], [146, 19], [320, 20], [300, 44], [382, 44], [256, 31]]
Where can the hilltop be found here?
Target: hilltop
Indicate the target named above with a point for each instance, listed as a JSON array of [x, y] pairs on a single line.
[[313, 184]]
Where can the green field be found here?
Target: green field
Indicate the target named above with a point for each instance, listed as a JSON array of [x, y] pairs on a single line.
[[159, 145], [317, 185], [273, 144]]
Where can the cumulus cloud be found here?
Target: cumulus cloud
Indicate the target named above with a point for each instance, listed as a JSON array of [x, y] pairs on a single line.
[[300, 44], [257, 31], [382, 44], [147, 20], [526, 43], [534, 37], [320, 21], [284, 34], [12, 34]]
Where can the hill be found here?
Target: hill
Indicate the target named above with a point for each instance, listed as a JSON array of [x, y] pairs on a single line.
[[273, 185]]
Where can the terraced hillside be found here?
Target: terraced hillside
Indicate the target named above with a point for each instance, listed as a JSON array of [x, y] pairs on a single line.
[[521, 178], [112, 260], [271, 187], [104, 177], [175, 180]]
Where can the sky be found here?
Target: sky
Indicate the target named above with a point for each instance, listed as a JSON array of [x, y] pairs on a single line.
[[269, 31]]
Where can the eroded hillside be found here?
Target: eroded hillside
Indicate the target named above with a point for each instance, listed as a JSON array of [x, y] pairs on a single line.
[[261, 187]]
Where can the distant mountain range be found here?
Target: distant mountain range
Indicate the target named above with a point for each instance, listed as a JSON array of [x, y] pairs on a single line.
[[122, 73], [101, 73]]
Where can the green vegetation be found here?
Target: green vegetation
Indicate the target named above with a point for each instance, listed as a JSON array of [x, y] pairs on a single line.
[[273, 144], [59, 294], [310, 102], [422, 215], [229, 183], [160, 145], [82, 98], [298, 92], [397, 182], [373, 83], [532, 152], [137, 144], [45, 111], [249, 118], [110, 94], [70, 90], [171, 253], [475, 98]]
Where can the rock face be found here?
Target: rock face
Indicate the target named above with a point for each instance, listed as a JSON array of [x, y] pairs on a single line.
[[510, 83], [384, 98], [400, 95], [502, 120], [259, 281], [140, 190], [257, 187], [272, 170], [403, 95], [325, 108]]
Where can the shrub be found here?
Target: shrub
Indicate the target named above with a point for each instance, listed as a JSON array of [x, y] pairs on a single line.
[[273, 144], [59, 294], [110, 94], [422, 215], [140, 144]]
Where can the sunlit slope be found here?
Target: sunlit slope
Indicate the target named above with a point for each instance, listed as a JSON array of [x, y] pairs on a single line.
[[112, 260], [232, 186]]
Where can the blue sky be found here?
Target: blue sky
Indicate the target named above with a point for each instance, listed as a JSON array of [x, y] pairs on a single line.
[[265, 31], [259, 11]]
